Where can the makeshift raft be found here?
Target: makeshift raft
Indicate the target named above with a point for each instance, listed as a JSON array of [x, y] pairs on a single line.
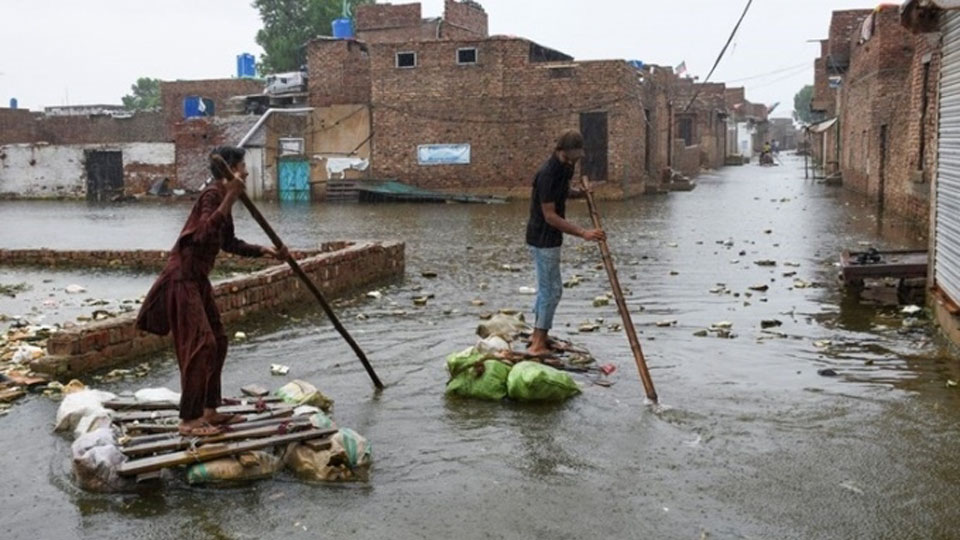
[[493, 370], [126, 441]]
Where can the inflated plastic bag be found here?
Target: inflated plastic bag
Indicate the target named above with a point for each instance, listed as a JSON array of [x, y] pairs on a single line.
[[96, 460], [347, 459], [475, 375], [303, 393], [86, 404], [260, 464], [492, 344], [157, 395], [532, 381], [505, 326]]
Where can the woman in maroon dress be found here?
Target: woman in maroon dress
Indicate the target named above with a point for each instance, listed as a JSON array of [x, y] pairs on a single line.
[[181, 300]]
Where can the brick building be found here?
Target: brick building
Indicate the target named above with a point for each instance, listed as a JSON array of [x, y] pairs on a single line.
[[700, 117], [386, 23], [174, 95], [875, 87]]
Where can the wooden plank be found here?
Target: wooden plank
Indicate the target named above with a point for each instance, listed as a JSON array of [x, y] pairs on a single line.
[[162, 431], [254, 390], [179, 442], [133, 416], [131, 404], [215, 451]]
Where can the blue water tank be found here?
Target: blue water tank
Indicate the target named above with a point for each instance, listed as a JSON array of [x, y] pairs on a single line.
[[246, 66], [342, 28], [13, 103]]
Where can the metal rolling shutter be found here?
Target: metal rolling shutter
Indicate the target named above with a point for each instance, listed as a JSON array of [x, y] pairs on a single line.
[[947, 242]]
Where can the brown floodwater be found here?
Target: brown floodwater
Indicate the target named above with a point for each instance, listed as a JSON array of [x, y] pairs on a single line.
[[749, 440]]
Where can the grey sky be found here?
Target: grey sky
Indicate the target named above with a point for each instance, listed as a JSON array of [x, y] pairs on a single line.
[[54, 52]]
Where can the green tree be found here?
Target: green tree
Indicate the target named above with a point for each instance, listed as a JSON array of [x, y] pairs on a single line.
[[145, 94], [289, 24], [801, 105]]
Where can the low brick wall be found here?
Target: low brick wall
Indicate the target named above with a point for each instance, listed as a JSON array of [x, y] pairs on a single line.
[[140, 259], [108, 343]]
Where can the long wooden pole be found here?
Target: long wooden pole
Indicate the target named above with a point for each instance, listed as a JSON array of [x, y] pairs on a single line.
[[621, 303], [278, 243]]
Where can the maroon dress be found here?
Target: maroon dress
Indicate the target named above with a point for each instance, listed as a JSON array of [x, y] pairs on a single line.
[[181, 301]]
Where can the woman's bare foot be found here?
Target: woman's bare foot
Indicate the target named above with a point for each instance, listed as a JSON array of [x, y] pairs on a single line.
[[197, 428]]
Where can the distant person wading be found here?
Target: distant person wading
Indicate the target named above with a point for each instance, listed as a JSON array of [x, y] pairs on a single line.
[[545, 230]]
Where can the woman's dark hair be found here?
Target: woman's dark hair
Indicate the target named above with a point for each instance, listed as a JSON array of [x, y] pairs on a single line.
[[570, 140], [233, 155]]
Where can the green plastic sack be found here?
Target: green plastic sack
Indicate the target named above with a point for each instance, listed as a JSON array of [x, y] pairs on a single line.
[[532, 381], [472, 375]]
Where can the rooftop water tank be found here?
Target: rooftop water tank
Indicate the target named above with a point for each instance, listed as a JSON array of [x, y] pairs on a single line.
[[246, 66], [342, 29], [13, 103]]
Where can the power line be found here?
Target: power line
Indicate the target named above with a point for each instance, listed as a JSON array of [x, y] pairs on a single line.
[[774, 72], [722, 51]]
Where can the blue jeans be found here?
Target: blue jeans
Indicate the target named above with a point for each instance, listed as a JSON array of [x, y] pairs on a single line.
[[549, 285]]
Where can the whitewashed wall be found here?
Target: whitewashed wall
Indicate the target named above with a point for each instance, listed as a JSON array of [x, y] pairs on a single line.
[[52, 171]]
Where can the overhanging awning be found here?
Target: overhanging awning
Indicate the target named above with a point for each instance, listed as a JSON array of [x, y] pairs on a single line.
[[820, 127]]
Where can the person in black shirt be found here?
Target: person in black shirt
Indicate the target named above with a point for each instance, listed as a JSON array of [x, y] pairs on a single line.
[[545, 230]]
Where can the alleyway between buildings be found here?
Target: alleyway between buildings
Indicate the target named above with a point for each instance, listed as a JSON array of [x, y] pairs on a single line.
[[751, 439]]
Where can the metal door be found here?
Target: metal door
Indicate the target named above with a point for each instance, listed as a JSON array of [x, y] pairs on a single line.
[[104, 174], [293, 179], [947, 237], [593, 126]]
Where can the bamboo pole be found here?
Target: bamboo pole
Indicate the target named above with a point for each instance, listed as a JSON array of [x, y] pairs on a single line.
[[278, 243], [618, 296]]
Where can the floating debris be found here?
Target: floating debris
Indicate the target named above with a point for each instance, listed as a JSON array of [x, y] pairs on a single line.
[[376, 295], [13, 290], [421, 301], [911, 310], [527, 290], [510, 268], [765, 262], [826, 372], [429, 274], [240, 336], [601, 301], [588, 327], [822, 344], [666, 322], [279, 369], [75, 289], [572, 282], [478, 302], [771, 323], [760, 288], [701, 333]]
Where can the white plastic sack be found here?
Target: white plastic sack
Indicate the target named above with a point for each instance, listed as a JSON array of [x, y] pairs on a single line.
[[26, 353], [303, 393], [157, 395], [505, 326], [492, 344], [96, 459], [76, 406]]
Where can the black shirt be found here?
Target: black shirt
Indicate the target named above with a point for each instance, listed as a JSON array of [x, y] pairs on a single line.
[[551, 184]]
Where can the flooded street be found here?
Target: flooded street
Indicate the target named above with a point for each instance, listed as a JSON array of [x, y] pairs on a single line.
[[749, 442]]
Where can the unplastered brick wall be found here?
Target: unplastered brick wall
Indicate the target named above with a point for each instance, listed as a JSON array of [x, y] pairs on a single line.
[[18, 126], [506, 107], [173, 93], [138, 259], [880, 108], [22, 126], [339, 72], [657, 86], [109, 343], [464, 20]]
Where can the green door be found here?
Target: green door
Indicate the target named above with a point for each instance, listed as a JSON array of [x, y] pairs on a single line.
[[294, 180]]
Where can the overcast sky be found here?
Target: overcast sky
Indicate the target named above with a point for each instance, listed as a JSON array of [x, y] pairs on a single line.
[[57, 52]]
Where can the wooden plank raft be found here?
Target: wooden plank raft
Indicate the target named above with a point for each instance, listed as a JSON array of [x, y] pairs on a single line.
[[170, 423], [178, 442], [140, 415], [210, 452]]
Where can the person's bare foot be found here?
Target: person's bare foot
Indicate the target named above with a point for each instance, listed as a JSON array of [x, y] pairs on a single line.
[[197, 428], [219, 419]]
